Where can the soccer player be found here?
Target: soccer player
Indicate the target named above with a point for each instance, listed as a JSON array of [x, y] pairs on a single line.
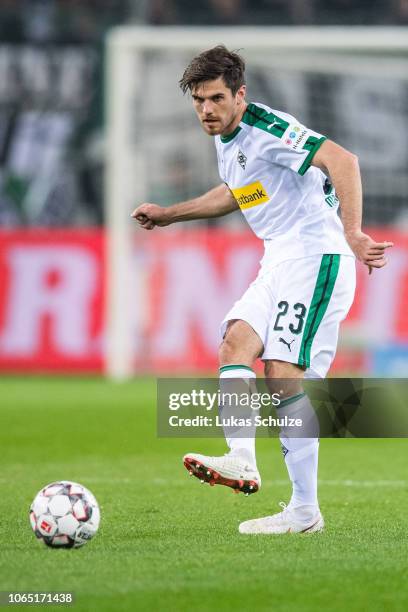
[[288, 181]]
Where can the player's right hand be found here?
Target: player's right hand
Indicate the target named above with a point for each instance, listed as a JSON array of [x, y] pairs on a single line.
[[366, 250], [149, 215]]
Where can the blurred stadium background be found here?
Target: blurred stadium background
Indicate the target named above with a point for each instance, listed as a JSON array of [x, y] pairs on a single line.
[[56, 96]]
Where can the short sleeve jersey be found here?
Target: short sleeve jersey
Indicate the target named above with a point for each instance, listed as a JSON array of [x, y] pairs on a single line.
[[291, 205]]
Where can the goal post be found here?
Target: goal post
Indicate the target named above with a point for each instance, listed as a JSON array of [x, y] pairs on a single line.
[[349, 83]]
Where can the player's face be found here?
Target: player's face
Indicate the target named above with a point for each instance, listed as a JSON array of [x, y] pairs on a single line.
[[218, 110]]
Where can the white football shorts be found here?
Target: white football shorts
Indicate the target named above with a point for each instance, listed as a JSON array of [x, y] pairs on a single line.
[[296, 308]]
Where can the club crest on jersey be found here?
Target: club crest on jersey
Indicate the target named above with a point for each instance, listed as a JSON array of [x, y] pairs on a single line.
[[250, 195], [242, 159], [284, 450]]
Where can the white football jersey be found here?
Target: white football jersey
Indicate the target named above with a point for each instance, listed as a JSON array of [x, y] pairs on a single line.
[[291, 205]]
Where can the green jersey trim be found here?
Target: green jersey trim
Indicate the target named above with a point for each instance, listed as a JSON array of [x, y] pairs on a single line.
[[323, 290], [312, 145], [229, 137], [258, 117]]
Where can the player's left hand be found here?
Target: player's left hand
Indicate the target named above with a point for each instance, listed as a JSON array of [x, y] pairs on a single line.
[[366, 250]]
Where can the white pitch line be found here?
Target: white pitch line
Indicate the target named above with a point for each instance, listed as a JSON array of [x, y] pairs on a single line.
[[181, 482], [329, 483], [365, 483]]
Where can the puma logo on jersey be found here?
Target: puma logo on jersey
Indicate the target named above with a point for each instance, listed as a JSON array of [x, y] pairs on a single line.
[[271, 125], [250, 195], [288, 344]]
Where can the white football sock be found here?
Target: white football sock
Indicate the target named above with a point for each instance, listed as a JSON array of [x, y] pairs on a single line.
[[238, 379], [301, 454]]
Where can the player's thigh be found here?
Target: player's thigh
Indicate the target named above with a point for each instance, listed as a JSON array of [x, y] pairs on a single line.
[[244, 328], [314, 295], [241, 344]]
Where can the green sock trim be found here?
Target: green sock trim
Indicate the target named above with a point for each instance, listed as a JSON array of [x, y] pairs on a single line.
[[235, 367], [290, 400]]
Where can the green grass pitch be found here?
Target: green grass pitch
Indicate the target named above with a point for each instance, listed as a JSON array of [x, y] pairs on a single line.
[[168, 543]]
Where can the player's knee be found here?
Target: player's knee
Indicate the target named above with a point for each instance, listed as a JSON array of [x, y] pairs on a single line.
[[235, 347], [241, 344], [228, 351]]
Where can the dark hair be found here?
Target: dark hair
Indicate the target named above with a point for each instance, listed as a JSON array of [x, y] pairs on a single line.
[[212, 64]]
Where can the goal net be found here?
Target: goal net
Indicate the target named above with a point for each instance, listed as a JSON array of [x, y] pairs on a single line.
[[350, 84]]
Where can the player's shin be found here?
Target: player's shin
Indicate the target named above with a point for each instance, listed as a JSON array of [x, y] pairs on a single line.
[[300, 448], [237, 384]]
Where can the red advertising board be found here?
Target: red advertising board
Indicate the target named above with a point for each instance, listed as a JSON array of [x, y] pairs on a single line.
[[51, 300], [53, 284]]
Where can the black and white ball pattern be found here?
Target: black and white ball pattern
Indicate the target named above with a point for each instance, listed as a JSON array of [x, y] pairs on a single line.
[[64, 515]]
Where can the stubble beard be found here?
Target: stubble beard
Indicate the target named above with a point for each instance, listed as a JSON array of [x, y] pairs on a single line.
[[214, 129]]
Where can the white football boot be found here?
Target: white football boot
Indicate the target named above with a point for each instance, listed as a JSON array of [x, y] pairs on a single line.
[[290, 520], [231, 470]]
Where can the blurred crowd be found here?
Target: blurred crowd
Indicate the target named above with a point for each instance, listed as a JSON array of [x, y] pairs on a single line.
[[51, 109], [276, 12], [51, 87], [76, 21], [59, 21]]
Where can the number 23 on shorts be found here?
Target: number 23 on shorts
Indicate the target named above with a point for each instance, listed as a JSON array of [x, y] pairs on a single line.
[[292, 317]]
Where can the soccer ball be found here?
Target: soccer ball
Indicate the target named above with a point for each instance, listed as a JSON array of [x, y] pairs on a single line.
[[64, 515]]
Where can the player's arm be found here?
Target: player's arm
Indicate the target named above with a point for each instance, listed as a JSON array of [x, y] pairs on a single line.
[[215, 203], [343, 169]]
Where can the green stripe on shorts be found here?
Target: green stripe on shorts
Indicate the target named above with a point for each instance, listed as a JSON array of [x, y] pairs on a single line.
[[326, 280]]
